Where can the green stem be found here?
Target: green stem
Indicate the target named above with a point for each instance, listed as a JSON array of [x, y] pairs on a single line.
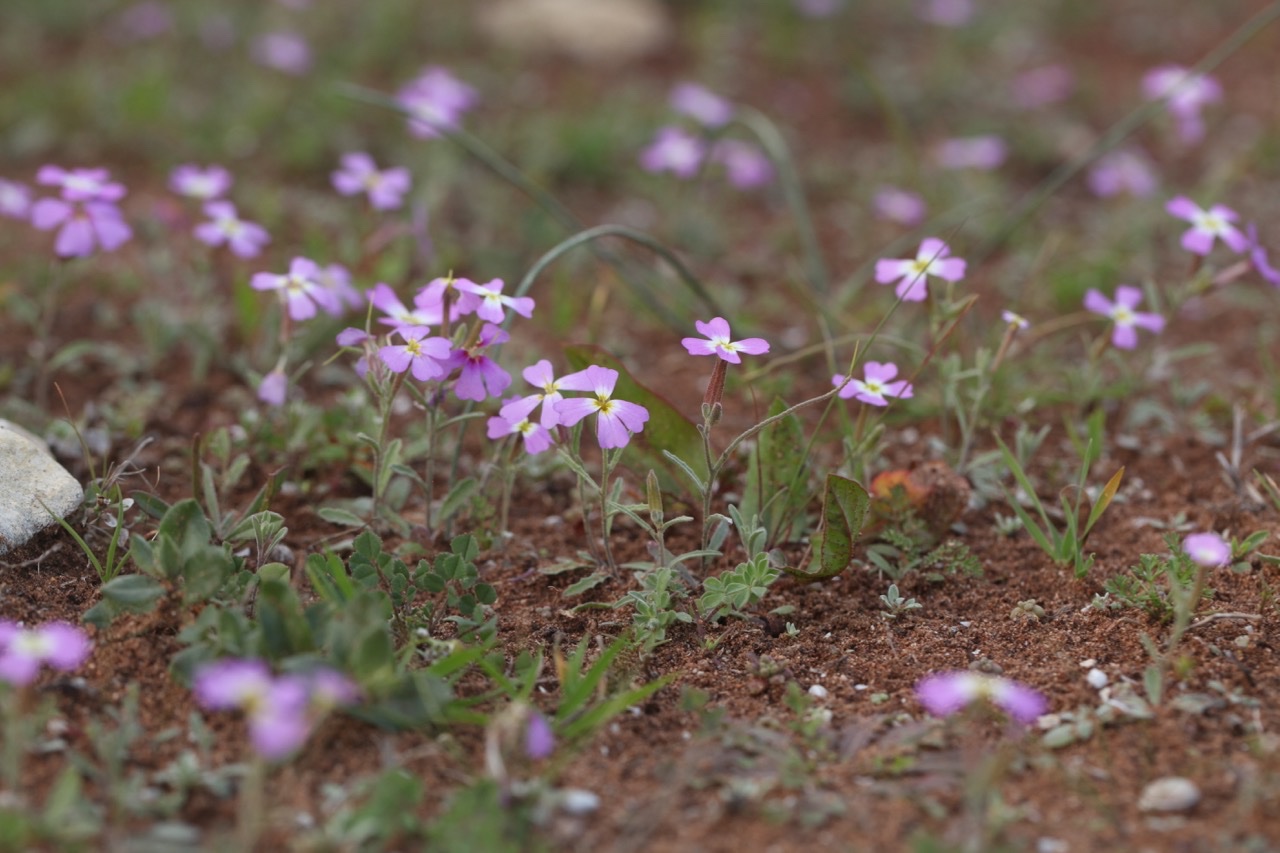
[[252, 810], [384, 412], [44, 331]]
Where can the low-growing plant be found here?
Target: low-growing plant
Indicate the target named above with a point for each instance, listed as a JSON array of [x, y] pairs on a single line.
[[894, 605]]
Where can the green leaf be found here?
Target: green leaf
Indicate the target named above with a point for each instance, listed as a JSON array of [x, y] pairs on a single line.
[[132, 592], [456, 499], [844, 506], [339, 516], [776, 474], [666, 429], [589, 582]]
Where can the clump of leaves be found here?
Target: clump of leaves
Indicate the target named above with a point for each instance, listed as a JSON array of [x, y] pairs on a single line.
[[907, 549], [1147, 585], [894, 605], [737, 589]]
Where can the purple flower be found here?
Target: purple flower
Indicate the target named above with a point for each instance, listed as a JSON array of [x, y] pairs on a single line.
[[1042, 86], [493, 303], [81, 184], [539, 740], [747, 166], [1015, 320], [674, 150], [971, 152], [481, 376], [1207, 549], [932, 259], [299, 289], [284, 51], [1127, 321], [514, 418], [945, 13], [1123, 170], [281, 711], [701, 104], [718, 343], [274, 388], [876, 386], [359, 174], [541, 376], [336, 279], [462, 298], [1206, 225], [244, 238], [1258, 257], [1185, 93], [901, 206], [616, 421], [204, 184], [15, 199], [142, 21], [425, 356], [436, 100], [23, 650], [82, 225], [945, 693], [424, 313]]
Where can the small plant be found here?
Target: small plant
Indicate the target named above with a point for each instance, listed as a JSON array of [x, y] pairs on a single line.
[[1156, 583], [1064, 546], [737, 589], [894, 605]]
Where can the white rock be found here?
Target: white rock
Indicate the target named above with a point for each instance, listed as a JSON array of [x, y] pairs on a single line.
[[1170, 794], [1097, 678], [817, 691], [29, 475]]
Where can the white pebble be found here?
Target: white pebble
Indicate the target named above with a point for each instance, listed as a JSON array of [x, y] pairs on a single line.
[[1170, 794], [1097, 678], [817, 691]]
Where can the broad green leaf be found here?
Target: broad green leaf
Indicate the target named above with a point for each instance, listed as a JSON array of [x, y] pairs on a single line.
[[666, 429], [775, 488], [339, 516], [132, 592], [844, 506], [589, 582]]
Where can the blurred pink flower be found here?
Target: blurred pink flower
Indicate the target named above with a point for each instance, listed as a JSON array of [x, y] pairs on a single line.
[[1207, 225], [747, 166], [701, 104], [1185, 93], [82, 226], [1207, 549], [897, 205], [24, 650], [945, 13], [674, 150], [1042, 86], [819, 8], [359, 174], [971, 152], [245, 239], [1121, 313], [284, 51], [436, 100], [945, 693], [15, 199], [1123, 170], [195, 182], [911, 274], [274, 388]]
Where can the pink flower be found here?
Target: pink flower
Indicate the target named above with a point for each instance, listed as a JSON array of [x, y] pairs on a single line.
[[747, 166], [142, 21], [514, 418], [1121, 312], [1207, 549], [274, 388], [337, 280], [541, 376], [281, 711], [481, 376], [933, 259], [539, 740], [701, 104], [1042, 86], [718, 343], [359, 174], [15, 199], [493, 303], [83, 225], [1015, 320], [945, 13], [674, 150], [299, 289], [1206, 225], [284, 51], [425, 356], [81, 184], [1123, 170], [877, 385], [1185, 93], [426, 312], [616, 420], [203, 184], [436, 100], [24, 650], [901, 206], [971, 152], [1258, 257], [945, 693], [244, 238]]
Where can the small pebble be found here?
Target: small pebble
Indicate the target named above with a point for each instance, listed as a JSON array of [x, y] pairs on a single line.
[[576, 801], [1170, 794], [1097, 678], [817, 691]]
